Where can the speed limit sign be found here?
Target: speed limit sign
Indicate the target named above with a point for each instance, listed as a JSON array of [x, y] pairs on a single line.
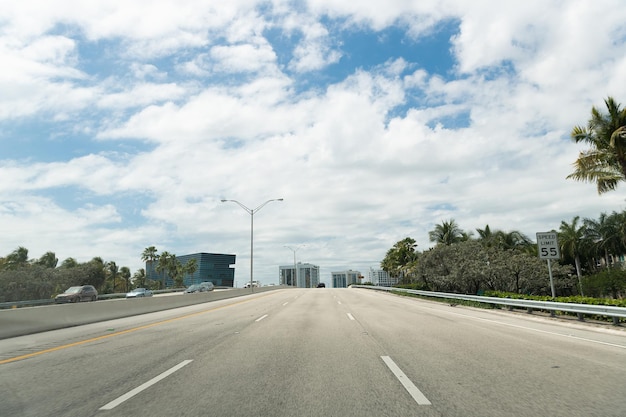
[[548, 245]]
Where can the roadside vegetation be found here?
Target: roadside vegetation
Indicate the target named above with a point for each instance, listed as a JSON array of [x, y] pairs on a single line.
[[506, 263], [23, 278]]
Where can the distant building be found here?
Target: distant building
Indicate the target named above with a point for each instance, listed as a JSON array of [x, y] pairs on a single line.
[[304, 276], [381, 278], [212, 267], [344, 279]]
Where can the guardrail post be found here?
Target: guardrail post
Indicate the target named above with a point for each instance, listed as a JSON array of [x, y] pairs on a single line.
[[581, 317], [615, 321]]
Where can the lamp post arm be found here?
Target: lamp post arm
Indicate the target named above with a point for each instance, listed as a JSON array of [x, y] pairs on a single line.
[[240, 205], [262, 205]]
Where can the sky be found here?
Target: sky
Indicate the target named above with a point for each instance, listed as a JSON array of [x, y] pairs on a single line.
[[124, 124]]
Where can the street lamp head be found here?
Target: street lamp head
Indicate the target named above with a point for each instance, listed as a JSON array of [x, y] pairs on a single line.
[[223, 201]]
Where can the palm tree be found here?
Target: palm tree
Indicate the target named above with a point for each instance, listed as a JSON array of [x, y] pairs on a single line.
[[149, 255], [48, 260], [572, 240], [485, 236], [69, 263], [447, 233], [512, 240], [191, 266], [17, 258], [605, 162], [125, 274], [605, 235], [113, 270], [400, 259], [163, 265], [139, 278]]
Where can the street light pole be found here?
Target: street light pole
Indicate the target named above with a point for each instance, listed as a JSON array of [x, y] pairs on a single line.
[[295, 267], [251, 213]]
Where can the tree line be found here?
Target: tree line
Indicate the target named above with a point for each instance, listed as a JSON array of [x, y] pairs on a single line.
[[495, 260], [22, 278], [592, 250], [167, 265]]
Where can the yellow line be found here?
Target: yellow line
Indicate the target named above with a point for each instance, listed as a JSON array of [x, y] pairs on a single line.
[[134, 329]]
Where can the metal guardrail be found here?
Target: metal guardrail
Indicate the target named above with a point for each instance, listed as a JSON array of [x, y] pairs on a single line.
[[601, 310], [27, 303]]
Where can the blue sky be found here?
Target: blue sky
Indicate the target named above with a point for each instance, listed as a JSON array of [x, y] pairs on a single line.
[[123, 127]]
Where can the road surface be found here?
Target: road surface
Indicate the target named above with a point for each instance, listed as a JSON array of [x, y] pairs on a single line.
[[318, 352]]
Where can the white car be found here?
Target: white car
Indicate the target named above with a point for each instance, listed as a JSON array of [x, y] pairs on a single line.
[[139, 292]]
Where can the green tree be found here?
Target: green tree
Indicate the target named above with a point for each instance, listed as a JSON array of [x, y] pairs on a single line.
[[139, 279], [113, 271], [48, 260], [69, 263], [16, 259], [572, 241], [605, 233], [177, 271], [486, 237], [502, 239], [150, 255], [401, 259], [163, 265], [191, 266], [125, 275], [447, 233], [605, 161]]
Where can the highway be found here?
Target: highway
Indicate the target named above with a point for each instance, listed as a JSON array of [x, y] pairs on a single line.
[[318, 352]]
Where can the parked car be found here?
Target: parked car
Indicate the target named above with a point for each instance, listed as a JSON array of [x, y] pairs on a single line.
[[139, 292], [192, 288], [77, 294], [206, 286]]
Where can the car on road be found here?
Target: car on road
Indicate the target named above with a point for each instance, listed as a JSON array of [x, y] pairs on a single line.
[[202, 287], [192, 288], [206, 286], [77, 294], [321, 285], [139, 292]]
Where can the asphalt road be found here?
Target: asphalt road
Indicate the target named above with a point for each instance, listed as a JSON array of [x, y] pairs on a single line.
[[318, 352]]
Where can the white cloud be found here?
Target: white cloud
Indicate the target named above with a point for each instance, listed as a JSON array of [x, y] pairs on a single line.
[[243, 58], [362, 160]]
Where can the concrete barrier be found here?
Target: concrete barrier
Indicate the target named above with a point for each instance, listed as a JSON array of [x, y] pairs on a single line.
[[29, 320]]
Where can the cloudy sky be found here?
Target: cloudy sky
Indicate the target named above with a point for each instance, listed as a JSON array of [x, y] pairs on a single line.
[[124, 123]]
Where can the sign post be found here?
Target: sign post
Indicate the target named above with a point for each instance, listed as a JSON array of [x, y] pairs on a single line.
[[548, 248]]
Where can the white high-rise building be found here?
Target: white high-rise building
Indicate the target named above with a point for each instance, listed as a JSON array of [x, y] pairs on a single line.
[[306, 275], [344, 279], [381, 278]]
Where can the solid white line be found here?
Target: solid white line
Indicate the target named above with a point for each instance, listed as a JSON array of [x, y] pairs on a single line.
[[517, 326], [142, 387], [406, 382], [261, 318], [350, 316], [284, 304]]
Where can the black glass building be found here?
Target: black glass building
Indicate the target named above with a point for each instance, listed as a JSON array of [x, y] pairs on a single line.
[[212, 267]]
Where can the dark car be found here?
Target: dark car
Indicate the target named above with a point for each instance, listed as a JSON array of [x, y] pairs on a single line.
[[139, 292], [77, 294], [321, 285]]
